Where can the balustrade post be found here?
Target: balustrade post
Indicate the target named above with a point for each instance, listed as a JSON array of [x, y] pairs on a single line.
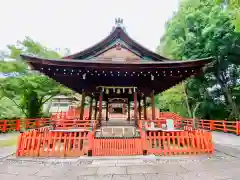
[[211, 125], [4, 129], [26, 124], [224, 126], [90, 145], [18, 123], [237, 128], [37, 123]]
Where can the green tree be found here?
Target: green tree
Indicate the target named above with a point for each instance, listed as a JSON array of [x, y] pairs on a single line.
[[173, 100], [200, 29], [28, 90]]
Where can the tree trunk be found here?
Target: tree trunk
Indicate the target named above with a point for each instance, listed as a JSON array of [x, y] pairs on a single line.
[[195, 123], [228, 96], [186, 100]]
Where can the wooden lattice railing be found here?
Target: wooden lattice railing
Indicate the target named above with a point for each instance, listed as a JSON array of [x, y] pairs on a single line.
[[211, 125], [68, 120], [215, 125], [176, 143], [45, 143]]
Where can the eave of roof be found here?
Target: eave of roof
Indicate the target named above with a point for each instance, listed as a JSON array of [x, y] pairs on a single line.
[[98, 63]]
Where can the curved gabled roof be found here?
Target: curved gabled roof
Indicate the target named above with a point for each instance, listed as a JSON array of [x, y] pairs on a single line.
[[197, 63], [117, 34]]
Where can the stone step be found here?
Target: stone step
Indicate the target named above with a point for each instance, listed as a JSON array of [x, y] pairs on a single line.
[[129, 131]]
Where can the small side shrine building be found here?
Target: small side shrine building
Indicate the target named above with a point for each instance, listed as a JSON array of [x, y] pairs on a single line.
[[117, 69]]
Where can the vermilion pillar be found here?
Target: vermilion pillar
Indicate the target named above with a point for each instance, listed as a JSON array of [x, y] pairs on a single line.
[[153, 107], [123, 108], [100, 105], [90, 108], [129, 110], [107, 111], [135, 104], [110, 108], [82, 106], [145, 107], [139, 108], [95, 113]]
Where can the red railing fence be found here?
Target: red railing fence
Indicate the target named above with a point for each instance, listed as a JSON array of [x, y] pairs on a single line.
[[52, 144], [47, 143]]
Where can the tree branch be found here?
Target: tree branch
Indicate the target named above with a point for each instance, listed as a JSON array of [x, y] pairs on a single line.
[[17, 105]]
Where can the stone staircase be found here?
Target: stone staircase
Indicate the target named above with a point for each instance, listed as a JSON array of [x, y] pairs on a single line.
[[118, 122], [117, 131]]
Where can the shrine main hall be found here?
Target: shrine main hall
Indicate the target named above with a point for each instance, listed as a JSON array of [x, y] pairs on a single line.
[[118, 73]]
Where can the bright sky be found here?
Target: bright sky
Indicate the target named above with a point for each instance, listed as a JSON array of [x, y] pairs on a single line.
[[78, 24]]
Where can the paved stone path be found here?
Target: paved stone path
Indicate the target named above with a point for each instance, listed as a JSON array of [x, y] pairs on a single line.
[[227, 143], [7, 136], [223, 165], [218, 167], [6, 151], [226, 139]]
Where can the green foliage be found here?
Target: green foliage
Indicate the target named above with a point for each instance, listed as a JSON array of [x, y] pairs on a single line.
[[27, 90], [201, 29], [12, 67], [172, 100], [8, 110], [29, 46]]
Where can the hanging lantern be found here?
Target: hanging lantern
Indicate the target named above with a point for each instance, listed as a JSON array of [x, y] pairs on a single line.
[[84, 76], [107, 91], [118, 91], [152, 77], [123, 90], [130, 91], [113, 90]]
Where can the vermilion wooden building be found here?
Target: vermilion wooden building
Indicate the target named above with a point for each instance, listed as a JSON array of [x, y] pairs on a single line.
[[117, 68], [119, 74]]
